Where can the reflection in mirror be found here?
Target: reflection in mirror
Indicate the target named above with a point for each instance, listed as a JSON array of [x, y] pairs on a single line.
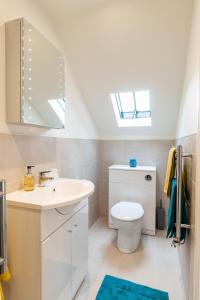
[[43, 80]]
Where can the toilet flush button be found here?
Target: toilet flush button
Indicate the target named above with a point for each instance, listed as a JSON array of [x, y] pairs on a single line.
[[148, 177]]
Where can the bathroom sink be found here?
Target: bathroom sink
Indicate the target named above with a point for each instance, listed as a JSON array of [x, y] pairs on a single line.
[[59, 193]]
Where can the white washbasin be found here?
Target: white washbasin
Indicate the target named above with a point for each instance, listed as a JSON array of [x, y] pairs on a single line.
[[61, 192]]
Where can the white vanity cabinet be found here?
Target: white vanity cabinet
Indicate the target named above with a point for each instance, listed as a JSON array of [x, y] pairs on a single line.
[[56, 264], [64, 257], [48, 251], [79, 248]]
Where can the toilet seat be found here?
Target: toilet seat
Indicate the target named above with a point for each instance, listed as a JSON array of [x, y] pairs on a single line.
[[127, 211]]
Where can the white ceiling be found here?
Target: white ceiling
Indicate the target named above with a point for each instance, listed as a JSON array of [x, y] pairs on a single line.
[[124, 45]]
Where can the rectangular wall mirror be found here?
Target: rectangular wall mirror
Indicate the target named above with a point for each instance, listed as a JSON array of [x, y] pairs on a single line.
[[35, 78]]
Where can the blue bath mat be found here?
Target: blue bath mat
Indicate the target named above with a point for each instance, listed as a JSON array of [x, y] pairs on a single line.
[[113, 288]]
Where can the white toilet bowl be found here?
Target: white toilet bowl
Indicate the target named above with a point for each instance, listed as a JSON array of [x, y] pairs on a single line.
[[127, 217]]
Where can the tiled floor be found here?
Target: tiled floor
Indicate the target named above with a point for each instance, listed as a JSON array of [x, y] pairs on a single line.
[[154, 264]]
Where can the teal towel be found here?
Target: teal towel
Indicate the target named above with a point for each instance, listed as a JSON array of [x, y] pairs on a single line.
[[113, 288], [171, 228]]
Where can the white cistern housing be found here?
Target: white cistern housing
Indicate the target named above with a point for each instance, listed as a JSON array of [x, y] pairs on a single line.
[[132, 204]]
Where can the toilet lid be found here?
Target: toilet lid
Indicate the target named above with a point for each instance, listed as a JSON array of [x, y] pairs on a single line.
[[127, 211]]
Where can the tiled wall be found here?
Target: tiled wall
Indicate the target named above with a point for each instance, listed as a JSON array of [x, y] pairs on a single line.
[[147, 153], [73, 157], [18, 151], [79, 159], [186, 251]]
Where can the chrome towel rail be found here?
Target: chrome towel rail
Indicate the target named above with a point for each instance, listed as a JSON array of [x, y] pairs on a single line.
[[3, 238], [179, 168]]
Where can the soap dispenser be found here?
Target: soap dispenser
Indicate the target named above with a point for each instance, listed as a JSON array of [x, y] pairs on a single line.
[[29, 180]]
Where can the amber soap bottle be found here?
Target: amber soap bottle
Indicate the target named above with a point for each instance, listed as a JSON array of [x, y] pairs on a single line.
[[29, 180]]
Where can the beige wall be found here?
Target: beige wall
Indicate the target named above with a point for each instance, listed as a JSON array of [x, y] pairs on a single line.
[[124, 45], [187, 128], [186, 251], [148, 153], [18, 151], [188, 113], [80, 159], [20, 145]]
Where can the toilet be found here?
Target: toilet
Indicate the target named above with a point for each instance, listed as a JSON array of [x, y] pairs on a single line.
[[127, 217]]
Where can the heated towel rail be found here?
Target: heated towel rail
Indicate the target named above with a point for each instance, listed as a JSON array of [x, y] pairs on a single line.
[[179, 168], [3, 238]]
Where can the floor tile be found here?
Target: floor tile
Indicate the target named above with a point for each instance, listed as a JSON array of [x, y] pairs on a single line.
[[155, 263]]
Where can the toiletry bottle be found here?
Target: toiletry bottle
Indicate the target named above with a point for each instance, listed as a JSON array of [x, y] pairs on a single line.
[[29, 180]]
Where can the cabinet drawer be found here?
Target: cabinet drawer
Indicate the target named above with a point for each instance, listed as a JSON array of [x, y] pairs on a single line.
[[52, 219], [137, 177]]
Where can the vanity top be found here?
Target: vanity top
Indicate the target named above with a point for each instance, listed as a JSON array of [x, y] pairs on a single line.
[[60, 193], [128, 168]]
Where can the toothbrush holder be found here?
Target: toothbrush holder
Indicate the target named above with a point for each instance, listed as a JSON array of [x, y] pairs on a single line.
[[133, 163]]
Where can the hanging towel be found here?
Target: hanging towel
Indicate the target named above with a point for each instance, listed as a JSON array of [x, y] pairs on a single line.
[[170, 170], [171, 228], [1, 292], [6, 276]]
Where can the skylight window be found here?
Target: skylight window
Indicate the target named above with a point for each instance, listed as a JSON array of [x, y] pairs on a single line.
[[132, 108]]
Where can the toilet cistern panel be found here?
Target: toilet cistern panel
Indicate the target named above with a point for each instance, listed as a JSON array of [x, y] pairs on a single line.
[[134, 185]]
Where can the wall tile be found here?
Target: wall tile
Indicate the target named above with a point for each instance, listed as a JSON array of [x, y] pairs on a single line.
[[119, 152], [35, 149], [103, 198], [9, 153], [80, 159], [74, 158], [17, 152]]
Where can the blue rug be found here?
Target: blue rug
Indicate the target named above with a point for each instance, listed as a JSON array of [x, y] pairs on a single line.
[[113, 288]]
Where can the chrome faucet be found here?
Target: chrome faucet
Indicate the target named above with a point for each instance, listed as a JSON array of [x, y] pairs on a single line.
[[43, 178]]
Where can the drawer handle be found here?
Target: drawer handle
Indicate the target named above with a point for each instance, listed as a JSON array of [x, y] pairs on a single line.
[[75, 225], [148, 177], [70, 231], [60, 212]]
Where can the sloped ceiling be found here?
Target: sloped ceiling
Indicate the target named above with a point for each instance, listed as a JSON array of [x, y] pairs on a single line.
[[124, 45]]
